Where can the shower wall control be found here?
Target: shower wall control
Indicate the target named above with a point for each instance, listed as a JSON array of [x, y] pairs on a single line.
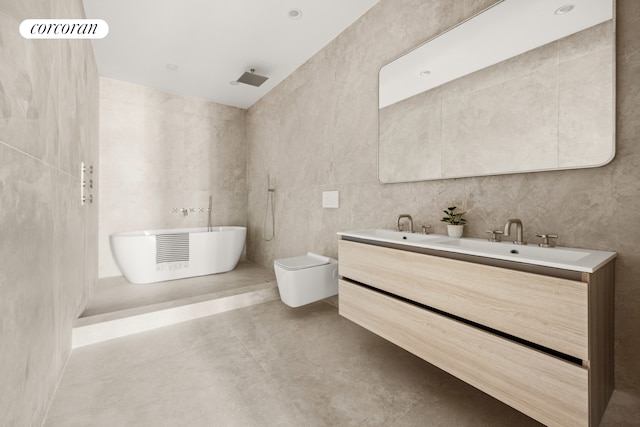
[[86, 184]]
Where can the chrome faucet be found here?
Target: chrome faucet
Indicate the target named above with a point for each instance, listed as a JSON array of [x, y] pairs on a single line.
[[519, 230], [410, 222]]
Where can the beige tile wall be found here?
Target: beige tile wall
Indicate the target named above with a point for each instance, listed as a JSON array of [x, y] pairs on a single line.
[[48, 241], [318, 131], [160, 151]]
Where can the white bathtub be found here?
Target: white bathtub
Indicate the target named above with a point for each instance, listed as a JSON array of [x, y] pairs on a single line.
[[159, 255]]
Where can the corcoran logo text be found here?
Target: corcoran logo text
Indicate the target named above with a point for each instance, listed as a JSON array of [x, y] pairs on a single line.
[[64, 29]]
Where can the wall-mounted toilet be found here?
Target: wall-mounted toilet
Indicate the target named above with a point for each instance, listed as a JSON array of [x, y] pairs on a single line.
[[307, 278]]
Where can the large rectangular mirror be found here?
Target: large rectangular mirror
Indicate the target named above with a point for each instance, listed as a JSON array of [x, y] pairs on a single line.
[[523, 86]]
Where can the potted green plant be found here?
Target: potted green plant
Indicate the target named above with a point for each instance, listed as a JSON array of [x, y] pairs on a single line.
[[455, 222]]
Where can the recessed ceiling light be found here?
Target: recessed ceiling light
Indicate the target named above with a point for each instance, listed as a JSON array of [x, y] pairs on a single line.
[[234, 83], [564, 9], [295, 14], [425, 73], [172, 67]]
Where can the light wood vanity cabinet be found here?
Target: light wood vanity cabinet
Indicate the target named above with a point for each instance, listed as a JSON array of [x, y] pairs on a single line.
[[539, 343]]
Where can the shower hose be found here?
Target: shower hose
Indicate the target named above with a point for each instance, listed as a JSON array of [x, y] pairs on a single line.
[[266, 212]]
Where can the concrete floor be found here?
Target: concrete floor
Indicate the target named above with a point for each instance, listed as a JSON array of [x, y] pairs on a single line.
[[269, 364]]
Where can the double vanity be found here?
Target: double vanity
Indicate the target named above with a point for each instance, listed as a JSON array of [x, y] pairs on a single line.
[[530, 326]]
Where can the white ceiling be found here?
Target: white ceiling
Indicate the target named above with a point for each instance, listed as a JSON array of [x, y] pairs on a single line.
[[214, 41], [501, 32]]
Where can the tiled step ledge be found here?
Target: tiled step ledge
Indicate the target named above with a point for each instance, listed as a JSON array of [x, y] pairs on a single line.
[[103, 327]]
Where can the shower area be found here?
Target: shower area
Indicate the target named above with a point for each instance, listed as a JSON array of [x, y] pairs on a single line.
[[169, 162]]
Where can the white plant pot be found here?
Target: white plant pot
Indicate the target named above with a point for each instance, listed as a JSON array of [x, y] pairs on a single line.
[[455, 230]]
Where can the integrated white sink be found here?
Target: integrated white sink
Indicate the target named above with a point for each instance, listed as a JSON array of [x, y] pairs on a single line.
[[584, 260], [524, 251], [392, 236]]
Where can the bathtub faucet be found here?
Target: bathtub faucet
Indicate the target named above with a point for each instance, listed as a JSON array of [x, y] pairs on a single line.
[[209, 227], [184, 211]]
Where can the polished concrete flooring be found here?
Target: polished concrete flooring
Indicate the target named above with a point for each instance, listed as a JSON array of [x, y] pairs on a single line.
[[271, 365]]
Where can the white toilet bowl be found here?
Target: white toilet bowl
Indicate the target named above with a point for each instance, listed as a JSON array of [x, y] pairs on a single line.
[[307, 278]]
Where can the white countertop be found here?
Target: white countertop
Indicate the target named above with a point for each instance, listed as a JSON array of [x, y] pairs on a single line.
[[584, 260]]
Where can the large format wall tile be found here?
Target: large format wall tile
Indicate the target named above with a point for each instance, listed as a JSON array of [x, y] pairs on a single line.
[[29, 92], [332, 145], [48, 125], [27, 347]]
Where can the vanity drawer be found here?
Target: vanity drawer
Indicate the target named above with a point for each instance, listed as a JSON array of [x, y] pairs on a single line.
[[546, 388], [548, 311]]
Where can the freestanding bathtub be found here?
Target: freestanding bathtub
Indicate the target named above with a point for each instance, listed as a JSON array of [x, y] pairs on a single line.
[[158, 255]]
